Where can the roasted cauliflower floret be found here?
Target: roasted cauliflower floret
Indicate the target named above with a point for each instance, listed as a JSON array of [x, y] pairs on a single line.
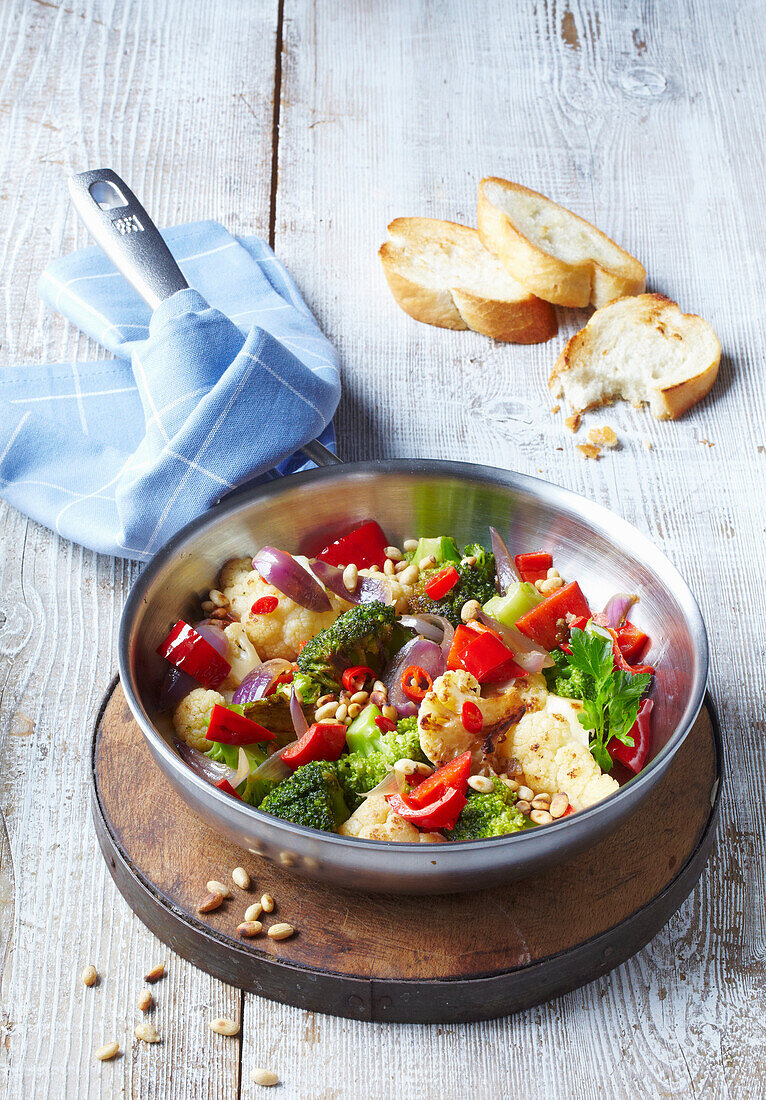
[[375, 820], [282, 632], [440, 724], [192, 716], [400, 593], [552, 749]]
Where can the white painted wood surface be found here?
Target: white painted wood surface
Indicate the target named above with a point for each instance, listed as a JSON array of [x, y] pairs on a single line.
[[646, 118]]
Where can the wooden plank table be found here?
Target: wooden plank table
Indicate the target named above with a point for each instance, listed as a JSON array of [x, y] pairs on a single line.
[[315, 124]]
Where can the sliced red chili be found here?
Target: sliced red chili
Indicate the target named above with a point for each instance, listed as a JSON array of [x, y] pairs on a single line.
[[385, 725], [444, 581], [471, 717], [416, 682], [353, 678], [265, 605], [225, 786]]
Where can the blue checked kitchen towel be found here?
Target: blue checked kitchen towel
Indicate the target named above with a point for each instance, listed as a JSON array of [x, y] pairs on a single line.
[[218, 388]]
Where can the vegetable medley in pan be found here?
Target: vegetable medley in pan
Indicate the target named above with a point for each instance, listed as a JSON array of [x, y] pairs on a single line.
[[425, 695]]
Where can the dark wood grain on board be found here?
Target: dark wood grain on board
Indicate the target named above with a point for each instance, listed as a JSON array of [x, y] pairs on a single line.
[[389, 956]]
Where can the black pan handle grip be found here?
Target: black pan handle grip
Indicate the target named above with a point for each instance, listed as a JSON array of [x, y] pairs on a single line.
[[125, 232]]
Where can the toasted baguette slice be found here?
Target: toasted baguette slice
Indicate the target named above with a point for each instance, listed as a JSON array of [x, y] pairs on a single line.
[[642, 349], [551, 251], [441, 273]]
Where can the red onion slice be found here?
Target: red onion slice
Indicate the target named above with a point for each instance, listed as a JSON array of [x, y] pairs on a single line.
[[258, 683], [393, 783], [419, 651], [290, 578], [212, 631], [175, 687], [616, 611], [366, 590], [209, 770], [243, 769], [272, 768], [505, 567], [434, 627], [300, 725]]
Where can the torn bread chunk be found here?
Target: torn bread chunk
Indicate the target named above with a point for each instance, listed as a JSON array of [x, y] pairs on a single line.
[[440, 273], [643, 350], [551, 251]]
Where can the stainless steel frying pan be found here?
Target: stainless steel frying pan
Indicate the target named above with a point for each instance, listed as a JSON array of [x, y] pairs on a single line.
[[407, 497]]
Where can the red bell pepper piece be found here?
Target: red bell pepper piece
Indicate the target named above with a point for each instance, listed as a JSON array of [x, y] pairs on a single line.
[[440, 814], [533, 567], [362, 547], [231, 728], [189, 651], [633, 642], [454, 774], [225, 786], [634, 756], [478, 650], [321, 741], [541, 623], [444, 581], [460, 642]]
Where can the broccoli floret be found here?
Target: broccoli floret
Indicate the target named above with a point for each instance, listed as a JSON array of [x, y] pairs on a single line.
[[359, 773], [360, 636], [365, 738], [311, 797], [476, 582], [490, 814], [563, 679]]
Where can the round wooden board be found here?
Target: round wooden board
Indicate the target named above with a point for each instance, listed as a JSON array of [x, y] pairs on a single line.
[[391, 957]]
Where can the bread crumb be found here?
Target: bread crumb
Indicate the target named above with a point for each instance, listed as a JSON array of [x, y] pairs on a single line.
[[555, 409], [648, 444], [603, 437], [589, 450], [707, 443], [573, 422]]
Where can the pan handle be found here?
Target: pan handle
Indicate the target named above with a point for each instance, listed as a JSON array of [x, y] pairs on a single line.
[[127, 235]]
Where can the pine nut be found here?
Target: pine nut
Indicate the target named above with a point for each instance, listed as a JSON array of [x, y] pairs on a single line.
[[410, 545], [218, 598], [539, 803], [350, 577], [427, 563], [249, 928], [423, 769], [379, 699], [89, 975], [327, 710], [374, 569], [559, 804], [470, 610], [553, 573], [405, 767], [207, 605], [470, 561], [280, 931], [240, 878], [354, 710], [107, 1051], [147, 1032], [155, 973], [510, 783], [360, 697], [222, 1026], [216, 887], [526, 793], [264, 1077], [523, 806], [481, 783], [324, 699], [267, 903], [393, 552], [344, 697], [388, 567], [253, 911], [540, 817], [401, 566], [144, 1002], [410, 574], [390, 713], [211, 902], [341, 712], [380, 686]]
